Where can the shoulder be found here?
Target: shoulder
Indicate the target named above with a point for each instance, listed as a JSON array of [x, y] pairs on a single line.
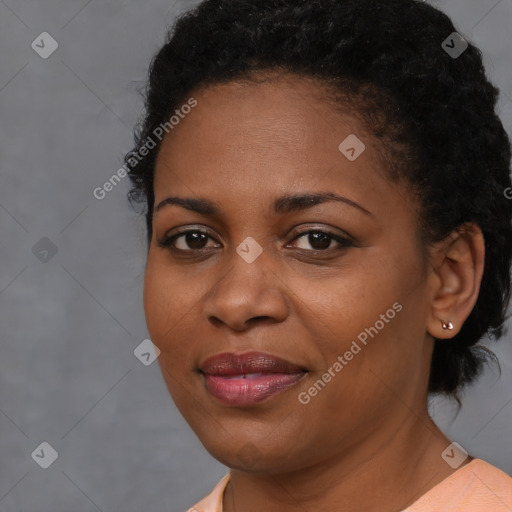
[[475, 487], [212, 502]]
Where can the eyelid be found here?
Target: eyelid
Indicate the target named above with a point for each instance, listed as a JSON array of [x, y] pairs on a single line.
[[315, 228], [176, 233], [305, 228], [343, 239], [311, 226]]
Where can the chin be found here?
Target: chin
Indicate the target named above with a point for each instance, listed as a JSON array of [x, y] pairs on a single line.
[[250, 453]]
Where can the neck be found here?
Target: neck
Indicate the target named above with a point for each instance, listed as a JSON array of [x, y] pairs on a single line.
[[394, 468]]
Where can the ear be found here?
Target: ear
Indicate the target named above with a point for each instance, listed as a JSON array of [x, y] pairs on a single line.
[[455, 281]]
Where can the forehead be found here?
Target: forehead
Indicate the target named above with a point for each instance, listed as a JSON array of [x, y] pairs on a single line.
[[263, 139], [273, 124]]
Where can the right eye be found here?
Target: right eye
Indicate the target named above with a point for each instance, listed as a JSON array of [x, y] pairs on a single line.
[[191, 240]]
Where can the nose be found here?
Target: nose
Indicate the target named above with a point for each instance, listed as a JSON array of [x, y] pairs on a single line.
[[246, 294]]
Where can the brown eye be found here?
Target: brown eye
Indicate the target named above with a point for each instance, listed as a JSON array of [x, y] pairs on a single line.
[[322, 240], [186, 241], [319, 241]]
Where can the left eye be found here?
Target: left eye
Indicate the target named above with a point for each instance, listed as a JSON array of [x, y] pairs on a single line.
[[321, 240]]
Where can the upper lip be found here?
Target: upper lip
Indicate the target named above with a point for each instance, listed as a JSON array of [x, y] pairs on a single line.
[[228, 363]]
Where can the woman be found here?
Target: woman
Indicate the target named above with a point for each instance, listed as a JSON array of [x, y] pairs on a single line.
[[328, 239]]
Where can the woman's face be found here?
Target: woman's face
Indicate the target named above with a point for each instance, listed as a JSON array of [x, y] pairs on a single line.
[[337, 289]]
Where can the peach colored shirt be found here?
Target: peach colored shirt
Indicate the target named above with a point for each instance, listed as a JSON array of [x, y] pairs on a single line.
[[475, 487]]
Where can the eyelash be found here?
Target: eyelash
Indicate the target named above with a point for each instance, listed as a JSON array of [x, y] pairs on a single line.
[[167, 242]]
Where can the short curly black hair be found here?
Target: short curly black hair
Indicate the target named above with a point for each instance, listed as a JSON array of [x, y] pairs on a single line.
[[434, 109]]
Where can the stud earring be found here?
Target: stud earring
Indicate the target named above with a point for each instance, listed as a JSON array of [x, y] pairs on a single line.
[[447, 326]]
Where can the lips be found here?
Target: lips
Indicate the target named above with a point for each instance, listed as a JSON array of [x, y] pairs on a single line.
[[246, 379]]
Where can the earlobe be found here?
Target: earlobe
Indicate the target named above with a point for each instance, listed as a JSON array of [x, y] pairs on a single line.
[[456, 280]]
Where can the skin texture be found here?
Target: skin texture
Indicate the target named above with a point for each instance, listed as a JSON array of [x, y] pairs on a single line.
[[243, 146]]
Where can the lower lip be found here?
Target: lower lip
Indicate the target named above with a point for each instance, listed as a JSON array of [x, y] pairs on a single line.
[[251, 390]]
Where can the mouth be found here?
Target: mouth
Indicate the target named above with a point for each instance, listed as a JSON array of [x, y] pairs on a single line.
[[247, 379]]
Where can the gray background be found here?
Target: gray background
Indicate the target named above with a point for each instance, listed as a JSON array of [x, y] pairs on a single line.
[[68, 375]]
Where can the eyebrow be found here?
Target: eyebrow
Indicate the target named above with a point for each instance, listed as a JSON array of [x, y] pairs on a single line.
[[281, 206]]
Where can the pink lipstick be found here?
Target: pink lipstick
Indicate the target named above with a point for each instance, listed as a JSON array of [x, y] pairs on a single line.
[[249, 378]]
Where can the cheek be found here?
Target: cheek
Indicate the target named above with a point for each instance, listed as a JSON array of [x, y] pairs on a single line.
[[364, 315], [156, 302], [341, 306], [172, 302], [165, 302], [166, 308]]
